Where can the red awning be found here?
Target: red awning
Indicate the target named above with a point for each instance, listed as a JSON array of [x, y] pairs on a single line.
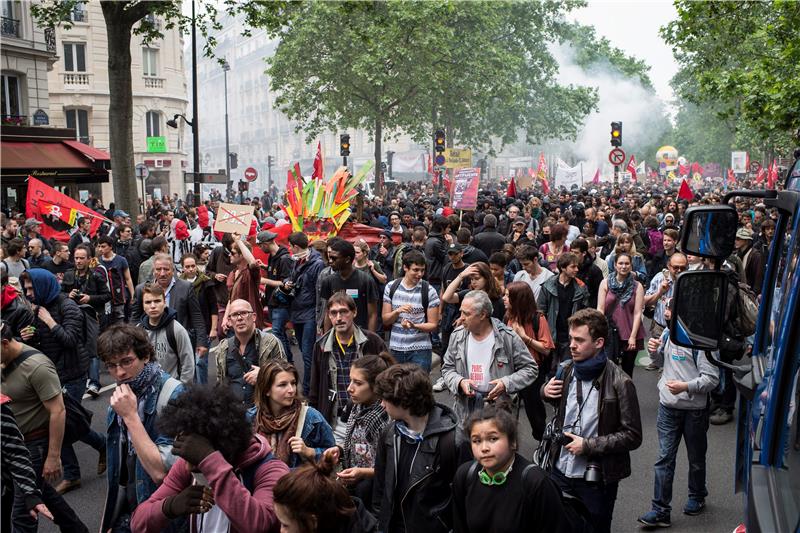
[[89, 151], [63, 161]]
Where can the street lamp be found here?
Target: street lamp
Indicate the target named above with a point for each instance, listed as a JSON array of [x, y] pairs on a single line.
[[225, 68], [173, 123]]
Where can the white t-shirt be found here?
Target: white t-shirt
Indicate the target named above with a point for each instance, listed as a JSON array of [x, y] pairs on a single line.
[[535, 283], [479, 360]]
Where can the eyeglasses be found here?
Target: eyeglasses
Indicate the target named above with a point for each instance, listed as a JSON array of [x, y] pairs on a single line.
[[679, 268], [241, 315], [124, 364]]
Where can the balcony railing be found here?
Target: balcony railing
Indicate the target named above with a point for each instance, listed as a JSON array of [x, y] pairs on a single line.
[[153, 83], [77, 78], [14, 120], [10, 27]]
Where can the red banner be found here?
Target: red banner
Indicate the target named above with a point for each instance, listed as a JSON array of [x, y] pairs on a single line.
[[58, 212], [464, 194]]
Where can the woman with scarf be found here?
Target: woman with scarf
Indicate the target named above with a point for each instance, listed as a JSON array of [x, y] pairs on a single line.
[[621, 299], [278, 411], [365, 422]]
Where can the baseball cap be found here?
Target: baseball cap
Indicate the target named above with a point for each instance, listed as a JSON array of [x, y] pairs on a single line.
[[265, 236], [121, 213], [455, 248], [32, 222]]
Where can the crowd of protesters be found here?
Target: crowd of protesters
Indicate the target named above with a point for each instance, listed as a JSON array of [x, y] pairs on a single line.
[[266, 384]]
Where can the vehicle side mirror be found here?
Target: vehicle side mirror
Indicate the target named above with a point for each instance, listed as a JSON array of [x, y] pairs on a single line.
[[698, 311], [709, 231]]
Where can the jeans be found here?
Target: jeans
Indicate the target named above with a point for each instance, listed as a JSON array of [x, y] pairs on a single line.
[[64, 517], [72, 469], [94, 372], [201, 369], [671, 424], [420, 357], [279, 317], [306, 333], [599, 498]]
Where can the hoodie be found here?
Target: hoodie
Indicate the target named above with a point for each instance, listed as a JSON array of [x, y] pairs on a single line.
[[175, 359], [247, 512], [690, 366], [45, 286]]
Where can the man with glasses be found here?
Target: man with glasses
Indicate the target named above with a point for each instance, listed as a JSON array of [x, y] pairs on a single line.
[[658, 296], [240, 357], [337, 349], [139, 455]]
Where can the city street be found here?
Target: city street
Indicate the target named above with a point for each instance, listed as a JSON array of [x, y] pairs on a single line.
[[723, 513]]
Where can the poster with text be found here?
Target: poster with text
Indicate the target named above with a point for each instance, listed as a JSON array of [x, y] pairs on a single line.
[[464, 194]]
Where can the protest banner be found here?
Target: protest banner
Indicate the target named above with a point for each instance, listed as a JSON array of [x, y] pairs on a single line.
[[464, 194]]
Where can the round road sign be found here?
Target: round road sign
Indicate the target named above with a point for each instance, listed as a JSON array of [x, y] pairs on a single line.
[[755, 166], [250, 174], [616, 156], [142, 172]]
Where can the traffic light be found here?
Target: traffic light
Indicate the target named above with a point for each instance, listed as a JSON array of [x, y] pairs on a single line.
[[616, 134], [234, 160], [243, 186], [344, 144], [270, 161], [438, 141]]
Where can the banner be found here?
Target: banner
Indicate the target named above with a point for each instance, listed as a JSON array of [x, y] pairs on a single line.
[[58, 212], [409, 162], [567, 176], [739, 162], [458, 157], [464, 194], [525, 180]]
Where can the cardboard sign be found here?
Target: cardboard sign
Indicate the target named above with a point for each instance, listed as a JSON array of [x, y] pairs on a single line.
[[234, 218]]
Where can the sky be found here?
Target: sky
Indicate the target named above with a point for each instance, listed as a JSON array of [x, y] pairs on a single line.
[[633, 27]]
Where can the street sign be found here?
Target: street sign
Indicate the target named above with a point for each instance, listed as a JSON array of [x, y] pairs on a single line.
[[439, 160], [616, 156], [204, 177], [142, 172], [458, 157], [250, 174]]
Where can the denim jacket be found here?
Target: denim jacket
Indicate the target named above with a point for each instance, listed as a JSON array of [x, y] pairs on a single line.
[[144, 485]]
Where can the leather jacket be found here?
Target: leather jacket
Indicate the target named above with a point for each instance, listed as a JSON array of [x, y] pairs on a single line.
[[619, 428]]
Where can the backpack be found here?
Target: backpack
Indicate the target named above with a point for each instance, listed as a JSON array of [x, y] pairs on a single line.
[[425, 297], [116, 284], [742, 309], [656, 239]]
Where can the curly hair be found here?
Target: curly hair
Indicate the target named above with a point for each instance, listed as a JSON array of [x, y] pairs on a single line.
[[212, 412], [406, 386], [121, 339]]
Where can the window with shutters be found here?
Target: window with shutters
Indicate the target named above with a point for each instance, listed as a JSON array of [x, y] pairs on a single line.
[[74, 57], [78, 119]]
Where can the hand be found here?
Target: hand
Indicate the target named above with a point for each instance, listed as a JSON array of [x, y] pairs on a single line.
[[407, 308], [52, 468], [576, 446], [518, 329], [123, 401], [383, 251], [84, 299], [45, 316], [370, 264], [236, 236], [498, 389], [351, 476], [466, 387], [449, 238], [333, 454], [195, 499], [194, 448], [212, 335], [664, 287], [220, 277], [202, 351], [406, 324], [251, 376], [27, 333], [631, 344], [676, 387], [41, 509], [553, 388], [653, 344], [531, 236], [299, 447], [72, 293]]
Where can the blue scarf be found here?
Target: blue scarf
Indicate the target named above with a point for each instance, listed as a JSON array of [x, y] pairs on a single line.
[[623, 290], [590, 369], [142, 386]]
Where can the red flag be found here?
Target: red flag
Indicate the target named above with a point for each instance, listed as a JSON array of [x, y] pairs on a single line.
[[511, 192], [760, 175], [57, 211], [531, 173], [319, 167], [632, 167], [683, 170], [772, 178], [696, 168], [731, 176], [685, 192], [446, 182], [596, 178]]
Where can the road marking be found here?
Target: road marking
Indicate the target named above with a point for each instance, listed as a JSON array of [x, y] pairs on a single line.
[[101, 391]]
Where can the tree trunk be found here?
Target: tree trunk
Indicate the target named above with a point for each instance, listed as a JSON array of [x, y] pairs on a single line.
[[378, 154], [120, 110]]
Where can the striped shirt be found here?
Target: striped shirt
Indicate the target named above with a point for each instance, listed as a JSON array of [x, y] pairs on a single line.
[[411, 339]]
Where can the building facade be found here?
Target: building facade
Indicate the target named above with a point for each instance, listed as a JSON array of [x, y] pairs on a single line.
[[79, 96]]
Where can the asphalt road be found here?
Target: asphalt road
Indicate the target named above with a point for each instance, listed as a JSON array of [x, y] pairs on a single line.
[[723, 513]]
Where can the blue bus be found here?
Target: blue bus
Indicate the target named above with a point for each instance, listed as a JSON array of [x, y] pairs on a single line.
[[768, 447]]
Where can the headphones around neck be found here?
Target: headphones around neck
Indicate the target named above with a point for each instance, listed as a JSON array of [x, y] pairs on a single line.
[[497, 479]]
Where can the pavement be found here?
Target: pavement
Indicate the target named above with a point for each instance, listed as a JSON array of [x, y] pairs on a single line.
[[724, 511]]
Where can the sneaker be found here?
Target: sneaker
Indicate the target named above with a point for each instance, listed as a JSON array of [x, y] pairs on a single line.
[[93, 391], [439, 386], [720, 417], [694, 507], [655, 519], [68, 485]]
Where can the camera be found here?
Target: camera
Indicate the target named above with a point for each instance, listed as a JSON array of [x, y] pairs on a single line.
[[78, 295], [593, 473], [555, 435]]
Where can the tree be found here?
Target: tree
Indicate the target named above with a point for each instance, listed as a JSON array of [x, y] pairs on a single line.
[[480, 68], [123, 20], [742, 59]]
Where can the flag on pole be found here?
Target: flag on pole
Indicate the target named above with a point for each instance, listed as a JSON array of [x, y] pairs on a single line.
[[596, 178], [434, 175], [772, 178], [58, 212], [683, 170], [511, 192], [685, 192], [760, 175], [632, 167], [541, 173], [319, 167]]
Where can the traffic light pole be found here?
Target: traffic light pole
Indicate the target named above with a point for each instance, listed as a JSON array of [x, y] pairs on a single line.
[[616, 175]]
